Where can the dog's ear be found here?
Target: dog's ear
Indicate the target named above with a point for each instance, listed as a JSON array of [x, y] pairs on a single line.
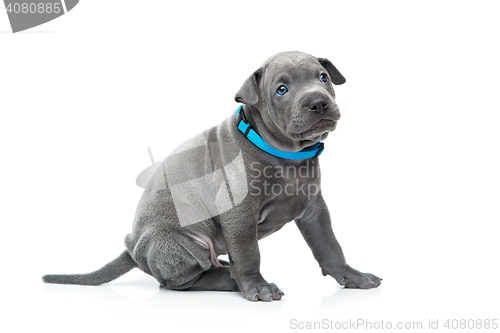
[[249, 92], [334, 73]]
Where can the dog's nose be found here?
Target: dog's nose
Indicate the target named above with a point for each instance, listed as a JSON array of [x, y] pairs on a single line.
[[318, 105]]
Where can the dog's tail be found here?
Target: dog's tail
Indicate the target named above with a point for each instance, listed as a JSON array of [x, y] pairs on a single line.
[[109, 272]]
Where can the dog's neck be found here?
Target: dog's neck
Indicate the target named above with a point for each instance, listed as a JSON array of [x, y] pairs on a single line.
[[270, 132]]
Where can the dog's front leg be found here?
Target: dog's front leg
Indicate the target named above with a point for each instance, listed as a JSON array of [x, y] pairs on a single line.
[[244, 257], [315, 226]]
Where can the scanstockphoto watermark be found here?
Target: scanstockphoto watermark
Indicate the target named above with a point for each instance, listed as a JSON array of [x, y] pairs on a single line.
[[287, 180], [365, 324], [207, 178], [353, 324]]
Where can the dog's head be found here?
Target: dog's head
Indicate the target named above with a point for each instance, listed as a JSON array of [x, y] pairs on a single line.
[[291, 101]]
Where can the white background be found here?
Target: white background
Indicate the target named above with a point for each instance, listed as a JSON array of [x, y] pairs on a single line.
[[410, 174]]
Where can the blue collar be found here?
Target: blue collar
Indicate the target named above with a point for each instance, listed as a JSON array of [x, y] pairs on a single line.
[[247, 130]]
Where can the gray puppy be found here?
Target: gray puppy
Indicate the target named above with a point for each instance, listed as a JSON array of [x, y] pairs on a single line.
[[238, 182]]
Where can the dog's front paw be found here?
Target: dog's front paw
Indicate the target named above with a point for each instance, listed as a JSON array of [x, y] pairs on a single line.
[[255, 288], [351, 278]]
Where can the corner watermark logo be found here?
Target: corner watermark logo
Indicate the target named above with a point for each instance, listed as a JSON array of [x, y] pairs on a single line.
[[25, 14]]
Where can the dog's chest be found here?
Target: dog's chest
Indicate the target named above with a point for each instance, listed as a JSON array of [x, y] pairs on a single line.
[[283, 200]]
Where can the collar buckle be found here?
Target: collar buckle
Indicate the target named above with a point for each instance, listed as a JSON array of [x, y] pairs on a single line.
[[320, 149]]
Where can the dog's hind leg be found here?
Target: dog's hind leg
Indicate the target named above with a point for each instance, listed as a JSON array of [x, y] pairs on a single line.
[[215, 279], [178, 262]]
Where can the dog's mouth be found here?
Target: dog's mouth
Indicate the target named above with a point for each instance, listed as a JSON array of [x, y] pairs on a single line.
[[318, 129]]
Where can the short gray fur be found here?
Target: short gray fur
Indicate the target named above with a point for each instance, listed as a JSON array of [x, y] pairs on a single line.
[[174, 254]]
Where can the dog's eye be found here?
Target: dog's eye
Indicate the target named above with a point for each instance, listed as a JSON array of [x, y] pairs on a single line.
[[281, 90], [323, 78]]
